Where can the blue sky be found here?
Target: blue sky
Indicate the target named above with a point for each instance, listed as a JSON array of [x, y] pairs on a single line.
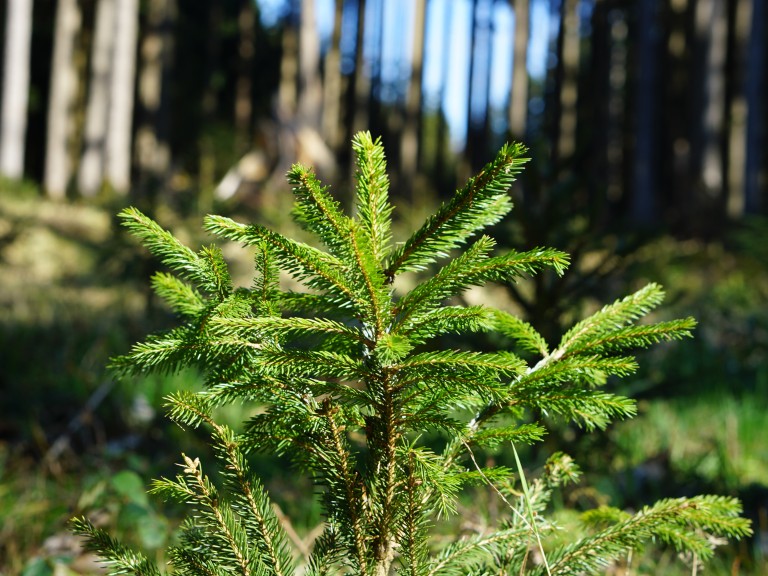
[[442, 15]]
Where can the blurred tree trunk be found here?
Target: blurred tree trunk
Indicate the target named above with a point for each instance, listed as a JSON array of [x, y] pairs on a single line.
[[16, 62], [518, 100], [675, 77], [287, 94], [373, 82], [412, 129], [478, 104], [643, 204], [596, 111], [466, 165], [209, 106], [119, 135], [361, 83], [711, 24], [310, 88], [63, 93], [153, 150], [740, 13], [442, 148], [616, 128], [484, 132], [568, 93], [755, 177], [91, 170], [298, 135], [332, 82], [287, 104], [246, 23]]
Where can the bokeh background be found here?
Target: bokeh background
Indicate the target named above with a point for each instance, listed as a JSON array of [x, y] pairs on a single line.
[[646, 122]]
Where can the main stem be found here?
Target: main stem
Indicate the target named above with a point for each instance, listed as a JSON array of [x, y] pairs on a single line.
[[385, 546]]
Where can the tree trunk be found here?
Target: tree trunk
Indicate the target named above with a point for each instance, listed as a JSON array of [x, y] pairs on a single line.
[[568, 94], [737, 136], [373, 82], [518, 100], [643, 204], [118, 162], [246, 22], [153, 153], [596, 112], [310, 88], [361, 84], [332, 83], [616, 128], [287, 105], [63, 93], [442, 147], [13, 123], [91, 172], [711, 22], [409, 147], [484, 134], [465, 168], [287, 93], [755, 171]]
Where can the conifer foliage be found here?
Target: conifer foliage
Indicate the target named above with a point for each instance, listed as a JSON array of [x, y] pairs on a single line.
[[350, 375]]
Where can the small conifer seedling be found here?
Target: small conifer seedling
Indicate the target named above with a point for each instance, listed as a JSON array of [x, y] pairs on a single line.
[[349, 376]]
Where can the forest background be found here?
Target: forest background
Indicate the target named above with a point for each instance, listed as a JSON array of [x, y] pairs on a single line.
[[646, 123]]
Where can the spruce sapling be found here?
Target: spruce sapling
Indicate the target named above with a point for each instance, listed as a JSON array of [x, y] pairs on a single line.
[[350, 375]]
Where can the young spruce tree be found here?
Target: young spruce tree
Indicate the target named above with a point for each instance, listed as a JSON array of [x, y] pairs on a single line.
[[349, 378]]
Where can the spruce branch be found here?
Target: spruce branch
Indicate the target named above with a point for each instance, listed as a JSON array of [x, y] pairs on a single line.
[[180, 296], [318, 212], [206, 269], [520, 331], [483, 201], [612, 317], [674, 521], [120, 559], [373, 208], [316, 268]]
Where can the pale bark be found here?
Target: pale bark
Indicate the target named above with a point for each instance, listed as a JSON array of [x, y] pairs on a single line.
[[442, 148], [310, 88], [13, 123], [737, 137], [119, 136], [409, 147], [518, 101], [465, 166], [332, 82], [91, 172], [61, 99], [711, 23], [361, 82], [287, 93]]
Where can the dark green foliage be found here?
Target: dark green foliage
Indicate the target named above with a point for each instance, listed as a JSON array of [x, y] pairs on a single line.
[[347, 388]]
